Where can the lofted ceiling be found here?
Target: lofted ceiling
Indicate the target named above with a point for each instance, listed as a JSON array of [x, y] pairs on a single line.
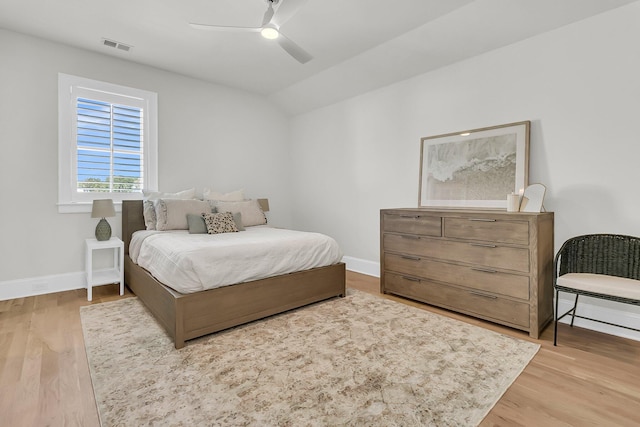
[[357, 45]]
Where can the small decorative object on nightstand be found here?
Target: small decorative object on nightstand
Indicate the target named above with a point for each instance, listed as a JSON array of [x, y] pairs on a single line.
[[107, 276], [103, 208]]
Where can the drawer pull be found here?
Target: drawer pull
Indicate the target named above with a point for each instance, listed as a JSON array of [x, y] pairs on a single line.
[[483, 245], [410, 258], [482, 219], [480, 294], [411, 279], [485, 270], [410, 216], [405, 236]]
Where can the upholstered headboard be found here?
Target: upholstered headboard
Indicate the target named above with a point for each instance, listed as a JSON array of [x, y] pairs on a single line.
[[264, 204], [132, 220]]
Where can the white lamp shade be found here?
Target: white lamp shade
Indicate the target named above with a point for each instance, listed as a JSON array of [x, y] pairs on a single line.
[[103, 208]]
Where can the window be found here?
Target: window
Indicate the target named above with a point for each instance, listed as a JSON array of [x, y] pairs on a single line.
[[107, 145]]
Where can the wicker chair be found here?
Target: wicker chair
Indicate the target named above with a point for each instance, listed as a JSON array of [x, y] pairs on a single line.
[[605, 266]]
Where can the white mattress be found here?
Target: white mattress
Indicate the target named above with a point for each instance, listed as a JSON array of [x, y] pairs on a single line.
[[195, 262]]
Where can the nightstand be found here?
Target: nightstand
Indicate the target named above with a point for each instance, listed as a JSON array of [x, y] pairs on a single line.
[[109, 275]]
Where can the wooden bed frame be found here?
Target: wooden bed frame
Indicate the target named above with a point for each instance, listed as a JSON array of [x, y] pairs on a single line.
[[188, 316]]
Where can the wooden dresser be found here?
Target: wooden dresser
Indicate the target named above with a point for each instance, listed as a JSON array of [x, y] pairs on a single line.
[[491, 264]]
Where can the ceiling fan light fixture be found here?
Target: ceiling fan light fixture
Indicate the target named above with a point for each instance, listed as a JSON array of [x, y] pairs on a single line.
[[269, 29], [269, 33]]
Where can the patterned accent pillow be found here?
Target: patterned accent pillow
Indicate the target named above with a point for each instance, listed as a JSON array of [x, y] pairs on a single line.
[[219, 223]]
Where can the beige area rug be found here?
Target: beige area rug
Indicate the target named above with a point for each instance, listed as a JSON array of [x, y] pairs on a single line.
[[359, 360]]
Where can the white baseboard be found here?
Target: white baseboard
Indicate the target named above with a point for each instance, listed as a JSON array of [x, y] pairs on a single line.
[[370, 268], [32, 286], [587, 308]]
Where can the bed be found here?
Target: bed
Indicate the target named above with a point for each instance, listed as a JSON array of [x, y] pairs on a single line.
[[192, 315]]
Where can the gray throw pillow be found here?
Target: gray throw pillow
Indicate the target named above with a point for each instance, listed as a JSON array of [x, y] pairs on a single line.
[[237, 218], [196, 224]]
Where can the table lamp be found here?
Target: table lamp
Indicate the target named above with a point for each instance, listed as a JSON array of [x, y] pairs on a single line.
[[103, 208]]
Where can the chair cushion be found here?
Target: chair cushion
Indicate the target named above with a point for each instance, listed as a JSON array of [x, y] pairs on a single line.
[[601, 284]]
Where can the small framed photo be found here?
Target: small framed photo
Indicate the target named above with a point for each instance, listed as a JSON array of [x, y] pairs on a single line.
[[474, 168]]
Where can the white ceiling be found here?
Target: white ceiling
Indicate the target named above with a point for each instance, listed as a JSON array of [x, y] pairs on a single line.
[[357, 45]]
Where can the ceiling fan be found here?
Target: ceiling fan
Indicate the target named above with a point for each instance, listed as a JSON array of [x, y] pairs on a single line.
[[270, 28]]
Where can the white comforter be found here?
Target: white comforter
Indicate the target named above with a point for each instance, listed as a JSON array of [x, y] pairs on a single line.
[[195, 262]]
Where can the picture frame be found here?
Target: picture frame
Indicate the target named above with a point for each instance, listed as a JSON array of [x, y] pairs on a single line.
[[475, 168]]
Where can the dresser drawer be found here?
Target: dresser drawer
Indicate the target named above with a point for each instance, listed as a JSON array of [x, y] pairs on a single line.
[[425, 225], [487, 229], [489, 255], [468, 301], [479, 278]]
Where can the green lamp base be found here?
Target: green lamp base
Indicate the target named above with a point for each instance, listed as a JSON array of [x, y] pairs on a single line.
[[103, 230]]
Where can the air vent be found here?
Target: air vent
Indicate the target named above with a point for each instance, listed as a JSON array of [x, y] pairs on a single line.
[[117, 45]]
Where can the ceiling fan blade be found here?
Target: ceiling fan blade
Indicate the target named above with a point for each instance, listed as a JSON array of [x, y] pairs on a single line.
[[300, 55], [209, 27], [286, 10], [268, 15]]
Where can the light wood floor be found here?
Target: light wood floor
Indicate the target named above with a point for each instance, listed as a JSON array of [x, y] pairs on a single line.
[[590, 379]]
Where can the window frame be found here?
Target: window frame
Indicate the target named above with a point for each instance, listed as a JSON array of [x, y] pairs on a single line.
[[70, 88]]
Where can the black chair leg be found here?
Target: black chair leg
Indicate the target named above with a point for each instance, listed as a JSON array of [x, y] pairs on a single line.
[[573, 313], [555, 322]]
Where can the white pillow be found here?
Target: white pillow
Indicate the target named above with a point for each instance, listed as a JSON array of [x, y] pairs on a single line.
[[250, 211], [149, 213], [149, 209], [171, 214], [233, 196], [184, 194]]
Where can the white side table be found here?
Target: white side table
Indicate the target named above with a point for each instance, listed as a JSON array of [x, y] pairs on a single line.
[[107, 276]]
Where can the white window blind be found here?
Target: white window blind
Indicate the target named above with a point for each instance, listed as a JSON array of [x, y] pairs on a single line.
[[109, 147], [107, 143]]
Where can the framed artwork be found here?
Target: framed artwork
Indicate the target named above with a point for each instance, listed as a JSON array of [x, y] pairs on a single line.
[[474, 168]]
